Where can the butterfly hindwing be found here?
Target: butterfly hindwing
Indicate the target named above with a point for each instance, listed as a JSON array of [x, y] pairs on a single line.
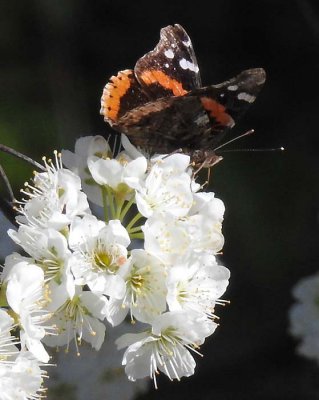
[[167, 124], [121, 94], [227, 102], [170, 69]]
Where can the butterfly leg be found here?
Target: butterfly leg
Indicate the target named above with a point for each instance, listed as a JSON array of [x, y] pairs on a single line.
[[177, 151]]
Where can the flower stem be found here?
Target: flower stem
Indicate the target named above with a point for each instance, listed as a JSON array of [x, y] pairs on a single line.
[[134, 220], [135, 229], [105, 207], [119, 206], [126, 208], [3, 298], [137, 236], [111, 201]]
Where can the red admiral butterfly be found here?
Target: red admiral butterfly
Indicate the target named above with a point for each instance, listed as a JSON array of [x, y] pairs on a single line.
[[161, 104]]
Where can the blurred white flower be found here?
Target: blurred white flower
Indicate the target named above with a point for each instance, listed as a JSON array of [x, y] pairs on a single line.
[[304, 316]]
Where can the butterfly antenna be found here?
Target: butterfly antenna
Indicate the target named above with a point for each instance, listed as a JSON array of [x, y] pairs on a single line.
[[250, 132], [254, 150], [208, 177]]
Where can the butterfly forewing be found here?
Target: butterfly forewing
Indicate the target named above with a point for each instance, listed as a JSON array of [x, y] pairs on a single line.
[[170, 69]]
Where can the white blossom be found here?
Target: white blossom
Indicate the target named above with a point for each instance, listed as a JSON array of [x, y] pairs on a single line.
[[79, 318], [171, 238], [167, 188], [77, 162], [205, 203], [25, 292], [145, 295], [197, 284], [99, 252], [48, 248], [165, 347], [21, 378], [8, 342], [130, 149], [119, 173], [54, 198]]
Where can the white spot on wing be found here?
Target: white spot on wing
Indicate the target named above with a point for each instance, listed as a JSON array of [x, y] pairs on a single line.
[[232, 87], [166, 65], [188, 65], [201, 120], [188, 43], [169, 53], [246, 97]]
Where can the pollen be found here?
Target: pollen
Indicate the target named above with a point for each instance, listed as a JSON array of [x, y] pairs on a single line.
[[102, 260]]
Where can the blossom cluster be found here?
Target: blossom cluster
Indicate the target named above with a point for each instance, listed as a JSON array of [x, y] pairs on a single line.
[[111, 236]]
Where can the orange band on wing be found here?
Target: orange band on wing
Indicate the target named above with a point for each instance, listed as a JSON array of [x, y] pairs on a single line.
[[157, 76], [217, 111], [112, 94]]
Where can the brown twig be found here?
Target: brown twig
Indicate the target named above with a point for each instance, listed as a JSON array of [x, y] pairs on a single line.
[[17, 154], [7, 209], [6, 206]]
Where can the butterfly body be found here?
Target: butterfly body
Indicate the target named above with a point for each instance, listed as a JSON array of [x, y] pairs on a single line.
[[161, 104]]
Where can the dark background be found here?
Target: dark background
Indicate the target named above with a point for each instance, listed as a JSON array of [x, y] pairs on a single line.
[[56, 56]]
